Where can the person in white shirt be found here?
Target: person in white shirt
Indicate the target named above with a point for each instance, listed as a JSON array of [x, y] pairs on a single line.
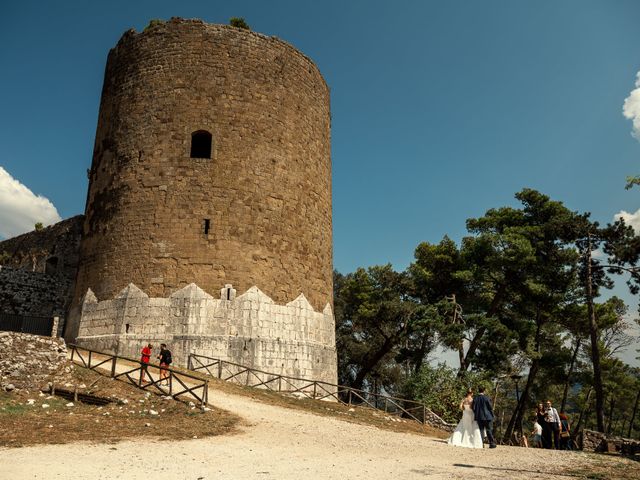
[[536, 439], [552, 419]]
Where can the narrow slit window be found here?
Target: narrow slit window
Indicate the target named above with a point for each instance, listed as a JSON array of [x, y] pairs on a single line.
[[201, 144], [51, 266], [207, 226]]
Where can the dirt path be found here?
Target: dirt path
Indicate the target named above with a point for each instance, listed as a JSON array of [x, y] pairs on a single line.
[[279, 443]]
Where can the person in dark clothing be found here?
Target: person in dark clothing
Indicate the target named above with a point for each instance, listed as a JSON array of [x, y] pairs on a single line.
[[165, 360], [483, 414], [546, 430]]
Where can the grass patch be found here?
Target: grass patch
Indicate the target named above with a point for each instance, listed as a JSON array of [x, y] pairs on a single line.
[[133, 412]]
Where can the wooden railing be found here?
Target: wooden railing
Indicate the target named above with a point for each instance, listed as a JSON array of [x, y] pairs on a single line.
[[179, 385], [315, 389]]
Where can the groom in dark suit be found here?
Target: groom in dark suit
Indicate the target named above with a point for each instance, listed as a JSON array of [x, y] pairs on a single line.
[[483, 413]]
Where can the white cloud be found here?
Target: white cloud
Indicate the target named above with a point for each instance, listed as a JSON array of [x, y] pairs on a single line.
[[631, 108], [21, 209], [632, 219]]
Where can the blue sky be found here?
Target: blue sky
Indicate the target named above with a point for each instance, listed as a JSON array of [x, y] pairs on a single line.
[[441, 109]]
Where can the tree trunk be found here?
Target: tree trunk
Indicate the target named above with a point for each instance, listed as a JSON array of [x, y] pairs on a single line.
[[595, 348], [418, 359], [518, 414], [371, 363], [565, 394], [633, 415], [583, 411]]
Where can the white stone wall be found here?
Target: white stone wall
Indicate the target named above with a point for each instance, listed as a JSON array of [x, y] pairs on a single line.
[[249, 329]]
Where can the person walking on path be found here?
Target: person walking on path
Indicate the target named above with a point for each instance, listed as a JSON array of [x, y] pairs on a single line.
[[145, 356], [483, 414], [165, 360], [552, 421]]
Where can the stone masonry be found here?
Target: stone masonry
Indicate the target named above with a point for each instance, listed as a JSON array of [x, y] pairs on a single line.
[[255, 211], [53, 250], [38, 270], [250, 329], [33, 293]]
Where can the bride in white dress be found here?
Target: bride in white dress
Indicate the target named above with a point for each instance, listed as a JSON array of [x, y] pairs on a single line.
[[467, 433]]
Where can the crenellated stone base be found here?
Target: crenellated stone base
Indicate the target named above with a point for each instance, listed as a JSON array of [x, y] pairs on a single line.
[[249, 329]]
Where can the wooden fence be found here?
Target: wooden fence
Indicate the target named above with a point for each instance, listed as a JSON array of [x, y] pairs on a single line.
[[315, 389], [166, 381]]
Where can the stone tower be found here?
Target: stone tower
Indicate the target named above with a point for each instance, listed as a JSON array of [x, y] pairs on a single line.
[[211, 166]]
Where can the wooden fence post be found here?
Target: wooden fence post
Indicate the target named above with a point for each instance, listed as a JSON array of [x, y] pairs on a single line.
[[113, 367], [73, 351], [219, 368], [89, 359]]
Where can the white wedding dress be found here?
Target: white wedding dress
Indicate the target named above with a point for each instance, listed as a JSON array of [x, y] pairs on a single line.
[[467, 433]]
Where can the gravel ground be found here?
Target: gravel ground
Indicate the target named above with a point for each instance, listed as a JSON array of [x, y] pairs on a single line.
[[280, 443]]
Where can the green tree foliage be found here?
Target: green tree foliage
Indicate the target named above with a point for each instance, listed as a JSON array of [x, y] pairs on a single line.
[[441, 389], [239, 22], [38, 226], [375, 318], [518, 297]]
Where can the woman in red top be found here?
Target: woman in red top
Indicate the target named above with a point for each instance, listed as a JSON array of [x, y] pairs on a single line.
[[144, 360]]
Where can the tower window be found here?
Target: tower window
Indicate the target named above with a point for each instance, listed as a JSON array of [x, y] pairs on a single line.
[[207, 226], [201, 144]]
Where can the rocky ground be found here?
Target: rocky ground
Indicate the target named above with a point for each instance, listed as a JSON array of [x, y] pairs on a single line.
[[29, 362]]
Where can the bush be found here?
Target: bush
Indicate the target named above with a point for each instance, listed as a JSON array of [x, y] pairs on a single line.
[[239, 22], [153, 23], [441, 390], [38, 226]]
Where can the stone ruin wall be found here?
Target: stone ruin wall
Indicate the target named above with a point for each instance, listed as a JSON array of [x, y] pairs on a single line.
[[250, 329], [38, 270], [33, 293], [33, 250]]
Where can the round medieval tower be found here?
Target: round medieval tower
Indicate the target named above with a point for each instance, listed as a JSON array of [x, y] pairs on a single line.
[[211, 166]]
